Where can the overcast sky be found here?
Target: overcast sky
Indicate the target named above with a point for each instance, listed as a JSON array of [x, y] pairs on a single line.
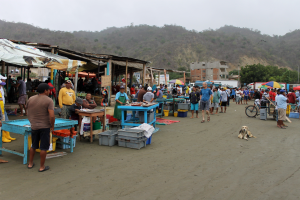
[[269, 16]]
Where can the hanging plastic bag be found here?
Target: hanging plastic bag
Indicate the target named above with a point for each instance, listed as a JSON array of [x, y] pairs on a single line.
[[85, 125]]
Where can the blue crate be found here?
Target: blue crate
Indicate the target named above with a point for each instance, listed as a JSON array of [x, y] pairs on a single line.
[[149, 140], [129, 115], [66, 140], [294, 115], [182, 114]]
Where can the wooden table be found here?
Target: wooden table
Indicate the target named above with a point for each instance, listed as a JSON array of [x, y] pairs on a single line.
[[91, 114]]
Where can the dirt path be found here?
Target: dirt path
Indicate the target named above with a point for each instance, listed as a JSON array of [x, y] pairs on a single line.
[[187, 160]]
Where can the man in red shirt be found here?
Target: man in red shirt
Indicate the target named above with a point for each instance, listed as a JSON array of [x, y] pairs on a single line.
[[132, 91], [272, 94], [292, 97]]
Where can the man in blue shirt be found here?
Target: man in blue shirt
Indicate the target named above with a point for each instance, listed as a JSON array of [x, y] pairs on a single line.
[[281, 100], [246, 97], [205, 96]]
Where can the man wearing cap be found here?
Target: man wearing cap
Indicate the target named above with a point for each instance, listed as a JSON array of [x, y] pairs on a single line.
[[149, 96], [22, 94], [75, 108], [281, 101], [66, 98], [41, 116], [121, 98]]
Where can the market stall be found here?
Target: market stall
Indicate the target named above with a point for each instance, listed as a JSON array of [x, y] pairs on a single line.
[[22, 127]]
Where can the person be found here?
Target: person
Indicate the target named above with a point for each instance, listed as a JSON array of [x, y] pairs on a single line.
[[246, 95], [272, 94], [238, 94], [233, 94], [179, 90], [228, 96], [297, 93], [121, 99], [158, 94], [215, 101], [132, 91], [251, 94], [242, 95], [88, 103], [187, 91], [28, 85], [64, 84], [141, 93], [281, 107], [194, 98], [66, 98], [74, 108], [292, 97], [224, 97], [41, 117], [22, 95], [52, 91], [149, 96], [205, 97]]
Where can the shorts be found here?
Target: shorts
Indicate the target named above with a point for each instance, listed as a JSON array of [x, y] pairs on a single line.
[[237, 99], [194, 106], [204, 105], [281, 114], [246, 97], [224, 103], [22, 99], [42, 135], [215, 105]]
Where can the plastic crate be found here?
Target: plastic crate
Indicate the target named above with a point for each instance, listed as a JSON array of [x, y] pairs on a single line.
[[183, 106], [150, 116], [131, 132], [65, 132], [66, 140], [149, 140], [182, 113], [134, 144], [294, 115], [115, 125], [108, 138], [131, 138]]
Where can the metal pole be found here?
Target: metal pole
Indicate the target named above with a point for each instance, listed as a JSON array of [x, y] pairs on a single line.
[[298, 74], [76, 81]]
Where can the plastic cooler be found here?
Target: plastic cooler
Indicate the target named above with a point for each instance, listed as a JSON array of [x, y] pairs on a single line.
[[294, 115], [108, 138], [183, 106], [150, 116], [115, 125], [182, 113]]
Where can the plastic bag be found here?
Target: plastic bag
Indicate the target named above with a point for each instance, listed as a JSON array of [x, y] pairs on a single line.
[[85, 125]]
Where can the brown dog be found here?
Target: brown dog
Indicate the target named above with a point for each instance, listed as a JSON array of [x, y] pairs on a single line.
[[245, 133]]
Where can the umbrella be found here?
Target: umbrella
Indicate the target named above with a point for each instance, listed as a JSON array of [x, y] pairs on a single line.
[[297, 88], [273, 84], [176, 81], [264, 87]]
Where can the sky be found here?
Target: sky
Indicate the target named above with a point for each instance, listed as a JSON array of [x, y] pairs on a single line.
[[272, 17]]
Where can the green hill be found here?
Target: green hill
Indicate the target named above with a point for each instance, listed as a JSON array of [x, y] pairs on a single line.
[[171, 46]]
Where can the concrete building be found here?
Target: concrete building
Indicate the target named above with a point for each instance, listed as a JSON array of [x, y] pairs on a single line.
[[202, 71]]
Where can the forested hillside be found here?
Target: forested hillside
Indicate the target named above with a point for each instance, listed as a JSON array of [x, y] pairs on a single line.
[[171, 46]]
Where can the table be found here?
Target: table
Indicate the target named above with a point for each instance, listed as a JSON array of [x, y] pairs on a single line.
[[174, 100], [91, 114], [135, 109], [18, 127], [161, 101]]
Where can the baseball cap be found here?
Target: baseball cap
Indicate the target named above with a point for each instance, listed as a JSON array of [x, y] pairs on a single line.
[[79, 100], [67, 78], [282, 90], [149, 88], [267, 90], [122, 87], [3, 77], [42, 87], [68, 81]]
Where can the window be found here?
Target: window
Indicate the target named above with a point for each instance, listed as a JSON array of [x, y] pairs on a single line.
[[203, 77], [222, 69], [203, 64], [204, 70]]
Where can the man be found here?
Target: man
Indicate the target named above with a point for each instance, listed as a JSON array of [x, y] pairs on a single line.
[[66, 98], [281, 100], [158, 93], [272, 94], [224, 97], [41, 116], [233, 93], [246, 95], [75, 108], [215, 101], [238, 94], [28, 85], [251, 94], [265, 97], [205, 96], [132, 91], [21, 85], [292, 97], [149, 96], [228, 96], [194, 98], [141, 93], [121, 99]]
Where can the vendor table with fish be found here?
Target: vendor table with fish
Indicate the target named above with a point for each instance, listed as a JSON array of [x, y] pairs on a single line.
[[22, 127]]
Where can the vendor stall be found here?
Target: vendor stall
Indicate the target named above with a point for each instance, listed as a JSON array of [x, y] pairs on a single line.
[[22, 127]]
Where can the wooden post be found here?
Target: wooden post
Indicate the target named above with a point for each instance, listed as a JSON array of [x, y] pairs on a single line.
[[98, 75], [144, 74], [184, 78], [76, 81], [165, 72], [22, 73], [159, 78], [126, 72], [151, 76], [28, 72], [3, 66], [131, 76]]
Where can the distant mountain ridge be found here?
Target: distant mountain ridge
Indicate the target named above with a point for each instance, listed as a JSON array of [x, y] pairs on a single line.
[[171, 46]]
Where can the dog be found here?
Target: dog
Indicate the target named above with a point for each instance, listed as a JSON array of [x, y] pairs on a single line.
[[245, 133]]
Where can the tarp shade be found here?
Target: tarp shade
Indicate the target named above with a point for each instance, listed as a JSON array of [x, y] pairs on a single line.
[[24, 55]]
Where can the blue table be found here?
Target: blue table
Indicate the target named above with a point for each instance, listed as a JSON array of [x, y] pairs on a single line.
[[135, 109], [161, 102], [19, 127], [185, 97]]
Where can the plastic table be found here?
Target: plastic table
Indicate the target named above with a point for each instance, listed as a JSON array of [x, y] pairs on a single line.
[[135, 109], [161, 101], [19, 127]]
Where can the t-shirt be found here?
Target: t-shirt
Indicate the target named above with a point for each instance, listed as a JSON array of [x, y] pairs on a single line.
[[224, 96], [281, 101], [228, 92], [205, 94], [22, 87], [246, 92], [66, 97], [233, 92], [194, 97], [38, 115], [216, 97], [297, 93], [148, 96], [238, 93], [251, 92], [292, 97], [141, 95], [132, 90]]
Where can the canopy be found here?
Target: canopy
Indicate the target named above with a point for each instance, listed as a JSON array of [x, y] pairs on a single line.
[[24, 55], [296, 88], [84, 74], [176, 81]]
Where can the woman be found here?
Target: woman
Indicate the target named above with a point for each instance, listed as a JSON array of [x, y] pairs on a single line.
[[121, 98], [88, 102]]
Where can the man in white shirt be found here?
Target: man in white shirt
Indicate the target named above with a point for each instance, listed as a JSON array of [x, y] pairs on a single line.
[[224, 100], [238, 96]]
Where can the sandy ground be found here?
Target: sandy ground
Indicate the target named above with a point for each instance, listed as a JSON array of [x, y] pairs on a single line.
[[187, 160]]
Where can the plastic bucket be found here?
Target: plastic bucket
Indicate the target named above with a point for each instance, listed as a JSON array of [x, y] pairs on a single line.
[[156, 110], [166, 113], [175, 114], [96, 125]]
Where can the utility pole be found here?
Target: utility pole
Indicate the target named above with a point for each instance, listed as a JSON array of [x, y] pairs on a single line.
[[239, 76], [298, 74]]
